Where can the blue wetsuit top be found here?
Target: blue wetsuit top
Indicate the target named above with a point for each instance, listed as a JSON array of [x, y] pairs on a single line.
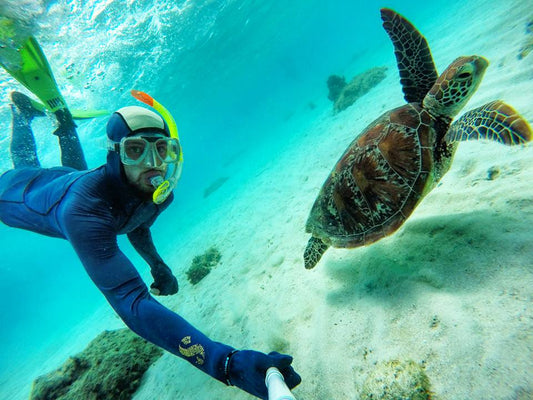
[[89, 209]]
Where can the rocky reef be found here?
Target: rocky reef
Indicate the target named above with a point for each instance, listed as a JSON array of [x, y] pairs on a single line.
[[110, 368], [395, 380], [343, 94], [202, 264]]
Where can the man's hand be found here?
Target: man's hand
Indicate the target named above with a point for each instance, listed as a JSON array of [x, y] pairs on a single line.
[[247, 370], [165, 283]]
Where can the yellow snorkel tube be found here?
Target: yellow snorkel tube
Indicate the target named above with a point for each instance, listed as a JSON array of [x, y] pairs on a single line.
[[163, 186]]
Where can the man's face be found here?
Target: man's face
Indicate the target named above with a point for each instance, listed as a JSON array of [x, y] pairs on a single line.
[[141, 174]]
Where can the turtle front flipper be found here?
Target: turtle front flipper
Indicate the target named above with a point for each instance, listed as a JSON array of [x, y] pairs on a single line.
[[313, 252], [496, 121], [416, 66]]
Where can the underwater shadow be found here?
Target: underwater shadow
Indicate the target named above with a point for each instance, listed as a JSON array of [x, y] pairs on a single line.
[[456, 252]]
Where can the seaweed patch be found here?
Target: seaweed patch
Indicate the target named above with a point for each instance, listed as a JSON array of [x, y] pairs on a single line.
[[397, 380], [202, 264]]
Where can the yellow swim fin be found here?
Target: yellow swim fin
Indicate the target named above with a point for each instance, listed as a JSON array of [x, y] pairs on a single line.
[[34, 72]]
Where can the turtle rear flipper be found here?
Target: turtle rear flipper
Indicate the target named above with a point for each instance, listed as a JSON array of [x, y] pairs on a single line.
[[313, 252], [496, 121], [415, 64]]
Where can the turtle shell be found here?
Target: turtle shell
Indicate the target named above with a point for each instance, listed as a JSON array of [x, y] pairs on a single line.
[[378, 181]]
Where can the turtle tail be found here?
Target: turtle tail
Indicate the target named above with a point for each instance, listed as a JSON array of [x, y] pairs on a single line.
[[313, 252]]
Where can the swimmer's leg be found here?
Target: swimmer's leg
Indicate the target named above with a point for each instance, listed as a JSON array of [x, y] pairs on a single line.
[[23, 148], [71, 152], [36, 75]]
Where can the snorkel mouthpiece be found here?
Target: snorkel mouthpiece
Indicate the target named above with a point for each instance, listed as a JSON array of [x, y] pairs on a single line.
[[156, 181], [162, 189], [163, 186]]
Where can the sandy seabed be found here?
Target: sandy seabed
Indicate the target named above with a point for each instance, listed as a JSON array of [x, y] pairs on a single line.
[[452, 289]]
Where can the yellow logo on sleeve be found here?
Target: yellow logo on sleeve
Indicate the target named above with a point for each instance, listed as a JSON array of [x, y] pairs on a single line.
[[189, 351]]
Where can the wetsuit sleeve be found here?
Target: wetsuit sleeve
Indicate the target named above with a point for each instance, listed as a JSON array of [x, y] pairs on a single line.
[[165, 283], [93, 238], [141, 239]]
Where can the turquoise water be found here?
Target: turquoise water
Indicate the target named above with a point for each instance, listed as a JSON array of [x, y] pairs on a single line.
[[236, 75]]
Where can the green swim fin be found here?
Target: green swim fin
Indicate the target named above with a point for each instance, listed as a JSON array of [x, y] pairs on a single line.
[[35, 74], [76, 114], [87, 114]]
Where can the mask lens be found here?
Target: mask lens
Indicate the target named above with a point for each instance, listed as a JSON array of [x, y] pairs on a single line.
[[168, 150], [161, 147], [135, 149]]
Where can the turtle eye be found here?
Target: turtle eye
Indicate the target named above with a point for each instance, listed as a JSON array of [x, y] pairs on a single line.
[[465, 72]]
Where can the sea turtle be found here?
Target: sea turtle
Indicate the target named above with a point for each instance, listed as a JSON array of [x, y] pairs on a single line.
[[388, 169]]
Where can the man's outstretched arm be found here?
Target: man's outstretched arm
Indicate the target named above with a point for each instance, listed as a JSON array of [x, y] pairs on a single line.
[[119, 281]]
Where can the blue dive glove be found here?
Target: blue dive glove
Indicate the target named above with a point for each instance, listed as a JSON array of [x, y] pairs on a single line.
[[165, 283], [246, 369]]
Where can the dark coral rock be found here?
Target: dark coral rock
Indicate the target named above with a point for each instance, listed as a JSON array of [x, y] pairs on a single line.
[[202, 264], [336, 85], [215, 185], [395, 380], [359, 86], [110, 368], [527, 46]]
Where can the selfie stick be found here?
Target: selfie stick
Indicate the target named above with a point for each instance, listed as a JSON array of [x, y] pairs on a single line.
[[277, 389]]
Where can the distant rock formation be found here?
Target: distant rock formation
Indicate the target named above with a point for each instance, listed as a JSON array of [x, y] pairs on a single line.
[[343, 94], [110, 368], [336, 85]]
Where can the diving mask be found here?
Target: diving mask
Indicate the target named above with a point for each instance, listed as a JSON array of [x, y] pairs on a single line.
[[149, 150]]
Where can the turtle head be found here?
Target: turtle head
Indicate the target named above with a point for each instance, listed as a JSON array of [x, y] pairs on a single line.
[[455, 86]]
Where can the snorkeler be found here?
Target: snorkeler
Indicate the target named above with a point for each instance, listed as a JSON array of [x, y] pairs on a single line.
[[90, 208]]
